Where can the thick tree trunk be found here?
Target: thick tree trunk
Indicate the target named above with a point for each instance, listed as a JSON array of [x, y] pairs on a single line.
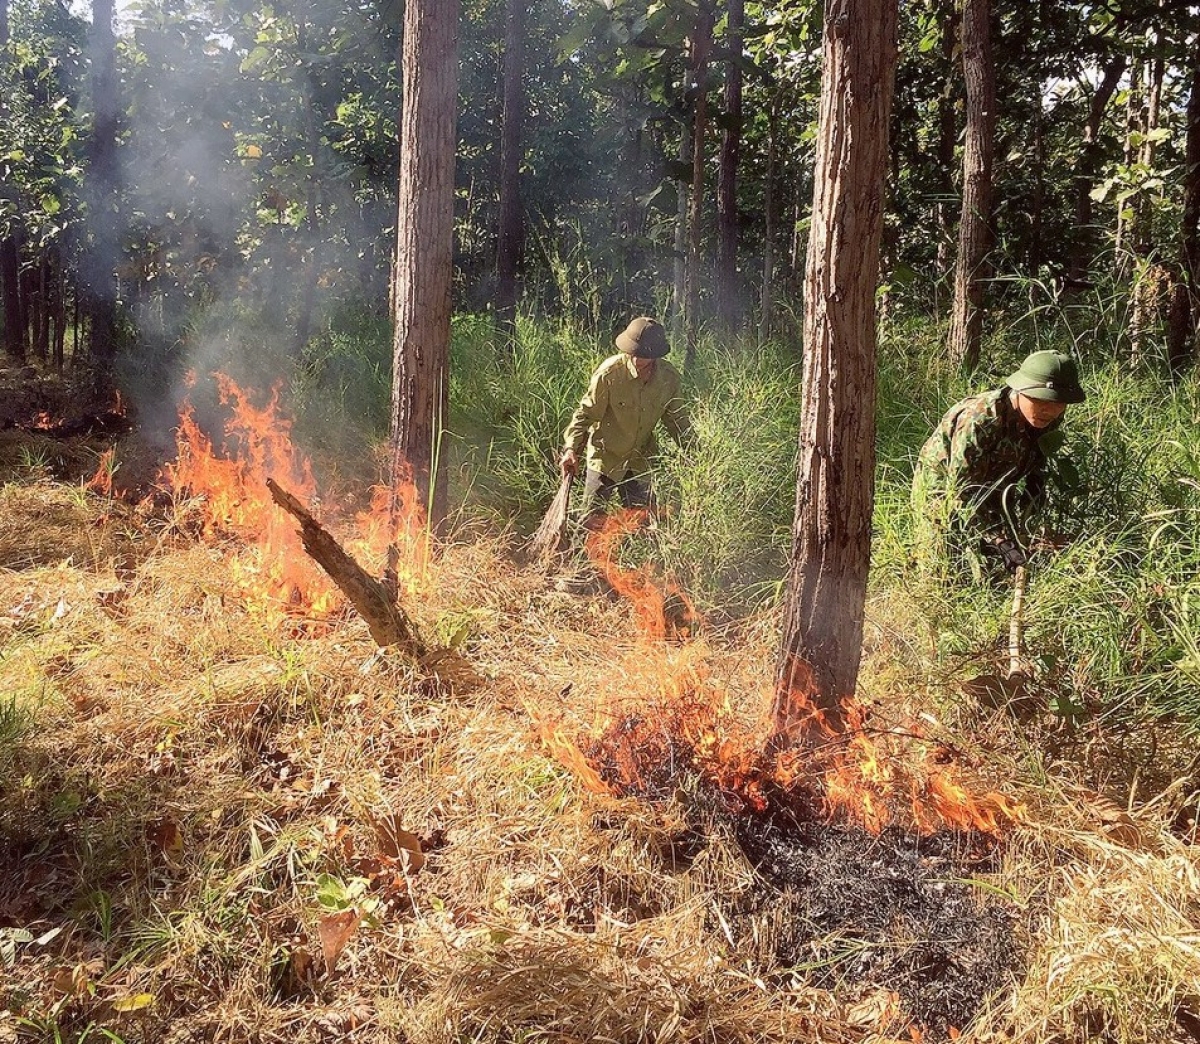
[[701, 48], [10, 254], [1087, 169], [508, 246], [424, 250], [729, 292], [974, 227], [831, 537]]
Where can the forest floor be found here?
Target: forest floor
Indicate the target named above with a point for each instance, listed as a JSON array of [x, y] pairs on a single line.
[[219, 823]]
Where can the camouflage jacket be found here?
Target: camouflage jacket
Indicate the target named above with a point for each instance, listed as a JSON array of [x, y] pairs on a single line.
[[981, 449]]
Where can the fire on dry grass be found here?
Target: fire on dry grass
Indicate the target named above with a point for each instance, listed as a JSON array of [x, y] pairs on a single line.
[[215, 834], [230, 481]]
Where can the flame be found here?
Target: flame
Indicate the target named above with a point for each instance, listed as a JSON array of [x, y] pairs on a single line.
[[102, 481], [684, 724], [662, 609], [276, 577]]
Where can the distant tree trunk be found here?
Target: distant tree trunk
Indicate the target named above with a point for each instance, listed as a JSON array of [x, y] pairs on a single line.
[[701, 48], [835, 488], [679, 283], [425, 250], [947, 137], [10, 254], [974, 226], [768, 269], [508, 247], [729, 292], [1087, 169], [1183, 343], [1153, 280], [1133, 123], [99, 260]]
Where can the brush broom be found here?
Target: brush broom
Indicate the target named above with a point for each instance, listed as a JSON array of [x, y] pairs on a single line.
[[551, 535]]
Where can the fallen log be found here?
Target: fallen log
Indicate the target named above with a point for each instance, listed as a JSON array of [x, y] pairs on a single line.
[[388, 623]]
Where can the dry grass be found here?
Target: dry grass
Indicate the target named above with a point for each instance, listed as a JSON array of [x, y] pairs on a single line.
[[197, 793]]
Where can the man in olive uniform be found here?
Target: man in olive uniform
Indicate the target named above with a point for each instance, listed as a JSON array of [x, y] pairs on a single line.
[[627, 397], [982, 471]]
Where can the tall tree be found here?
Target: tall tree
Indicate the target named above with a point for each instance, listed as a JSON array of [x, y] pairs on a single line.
[[1087, 167], [10, 255], [102, 188], [974, 227], [701, 50], [508, 247], [729, 298], [424, 250], [1182, 342], [835, 486]]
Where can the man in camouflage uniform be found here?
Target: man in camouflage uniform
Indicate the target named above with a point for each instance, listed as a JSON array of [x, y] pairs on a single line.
[[982, 471], [627, 397]]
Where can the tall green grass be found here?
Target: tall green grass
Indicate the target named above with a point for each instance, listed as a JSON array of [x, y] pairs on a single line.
[[1113, 618]]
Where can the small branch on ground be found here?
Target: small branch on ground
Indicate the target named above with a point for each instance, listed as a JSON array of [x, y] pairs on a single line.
[[388, 623]]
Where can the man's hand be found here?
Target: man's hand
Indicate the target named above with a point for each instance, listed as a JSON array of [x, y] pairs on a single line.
[[1008, 551], [568, 464]]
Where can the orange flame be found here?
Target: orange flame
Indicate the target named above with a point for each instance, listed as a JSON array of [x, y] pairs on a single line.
[[102, 481], [275, 575], [686, 723], [661, 607]]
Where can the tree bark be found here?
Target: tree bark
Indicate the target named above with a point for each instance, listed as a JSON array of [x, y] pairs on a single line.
[[947, 136], [768, 269], [729, 292], [508, 246], [701, 48], [1183, 344], [424, 251], [680, 267], [819, 656], [388, 623], [10, 254], [1087, 168], [974, 227]]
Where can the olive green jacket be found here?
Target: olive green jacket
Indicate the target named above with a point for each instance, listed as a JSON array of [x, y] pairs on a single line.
[[619, 412]]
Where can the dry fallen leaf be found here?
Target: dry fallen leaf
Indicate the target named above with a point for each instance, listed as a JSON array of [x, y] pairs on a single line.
[[397, 843], [335, 931]]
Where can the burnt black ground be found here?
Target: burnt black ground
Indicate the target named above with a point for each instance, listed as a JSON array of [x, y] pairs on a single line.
[[891, 911]]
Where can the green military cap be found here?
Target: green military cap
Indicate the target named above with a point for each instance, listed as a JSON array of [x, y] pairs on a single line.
[[1050, 376], [644, 338]]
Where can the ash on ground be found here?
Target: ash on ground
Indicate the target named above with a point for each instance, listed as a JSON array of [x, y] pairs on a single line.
[[835, 904]]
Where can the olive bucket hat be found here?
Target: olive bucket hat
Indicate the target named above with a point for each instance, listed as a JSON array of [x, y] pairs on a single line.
[[644, 338], [1049, 376]]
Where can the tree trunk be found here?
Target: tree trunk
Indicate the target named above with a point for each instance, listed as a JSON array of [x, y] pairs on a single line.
[[679, 282], [508, 247], [424, 250], [947, 136], [10, 255], [701, 48], [1087, 168], [831, 537], [974, 227], [1184, 344], [729, 293], [1133, 122], [99, 259], [768, 269]]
